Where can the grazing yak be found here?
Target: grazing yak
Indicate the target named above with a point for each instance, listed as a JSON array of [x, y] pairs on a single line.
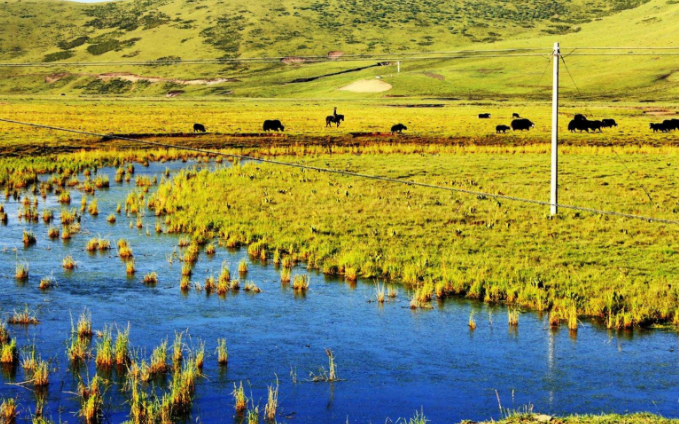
[[501, 129], [662, 127], [584, 125], [198, 128], [671, 124], [522, 124], [515, 115], [608, 123], [273, 125], [398, 128], [484, 115]]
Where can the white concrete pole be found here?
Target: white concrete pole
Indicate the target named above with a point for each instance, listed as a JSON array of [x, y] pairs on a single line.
[[555, 132], [398, 67]]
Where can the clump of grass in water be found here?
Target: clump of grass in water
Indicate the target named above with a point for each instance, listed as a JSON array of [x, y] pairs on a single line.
[[129, 267], [8, 353], [243, 267], [253, 413], [331, 374], [187, 269], [104, 357], [379, 293], [41, 374], [120, 350], [47, 216], [25, 317], [210, 249], [272, 402], [21, 271], [69, 263], [392, 293], [210, 285], [8, 411], [92, 245], [351, 274], [91, 401], [93, 208], [151, 278], [472, 322], [200, 356], [158, 363], [222, 352], [111, 219], [84, 326], [513, 317], [29, 238], [177, 349], [300, 283], [240, 400], [47, 282], [124, 249], [573, 318], [286, 276], [252, 287], [28, 360], [53, 233]]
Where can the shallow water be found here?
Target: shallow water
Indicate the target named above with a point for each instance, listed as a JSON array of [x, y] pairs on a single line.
[[395, 361]]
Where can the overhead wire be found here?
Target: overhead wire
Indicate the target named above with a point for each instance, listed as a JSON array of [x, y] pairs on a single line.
[[346, 173]]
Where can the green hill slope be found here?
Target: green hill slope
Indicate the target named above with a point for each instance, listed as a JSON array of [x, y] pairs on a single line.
[[150, 30]]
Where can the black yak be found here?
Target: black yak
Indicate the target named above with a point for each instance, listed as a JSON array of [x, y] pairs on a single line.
[[398, 128], [584, 125], [501, 129], [484, 115], [608, 123], [273, 125], [671, 124], [515, 115], [522, 124], [659, 127], [198, 128]]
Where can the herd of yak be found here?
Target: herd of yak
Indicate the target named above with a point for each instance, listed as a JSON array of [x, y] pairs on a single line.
[[579, 123]]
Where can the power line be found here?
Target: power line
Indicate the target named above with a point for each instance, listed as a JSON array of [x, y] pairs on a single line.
[[346, 173], [447, 54], [259, 60]]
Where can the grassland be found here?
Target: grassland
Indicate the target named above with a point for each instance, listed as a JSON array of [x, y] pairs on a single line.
[[237, 123], [175, 29]]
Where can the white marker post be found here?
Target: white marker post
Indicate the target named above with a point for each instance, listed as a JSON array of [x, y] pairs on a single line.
[[398, 67], [555, 132]]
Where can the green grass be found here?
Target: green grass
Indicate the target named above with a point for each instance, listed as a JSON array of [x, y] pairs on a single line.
[[169, 30], [472, 246], [642, 418]]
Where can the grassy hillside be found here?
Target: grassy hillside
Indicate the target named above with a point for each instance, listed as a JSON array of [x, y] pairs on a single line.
[[150, 30]]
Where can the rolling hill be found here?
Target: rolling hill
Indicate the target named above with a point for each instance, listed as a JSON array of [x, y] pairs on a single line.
[[166, 31]]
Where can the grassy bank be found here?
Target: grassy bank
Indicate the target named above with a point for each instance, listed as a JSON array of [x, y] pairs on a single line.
[[588, 419], [622, 271]]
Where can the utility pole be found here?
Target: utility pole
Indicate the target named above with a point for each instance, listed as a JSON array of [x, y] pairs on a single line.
[[554, 201]]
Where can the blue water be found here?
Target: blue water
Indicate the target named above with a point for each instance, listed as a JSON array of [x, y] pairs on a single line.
[[394, 361]]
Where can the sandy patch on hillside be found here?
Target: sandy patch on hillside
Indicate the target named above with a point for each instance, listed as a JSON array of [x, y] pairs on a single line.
[[367, 86]]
